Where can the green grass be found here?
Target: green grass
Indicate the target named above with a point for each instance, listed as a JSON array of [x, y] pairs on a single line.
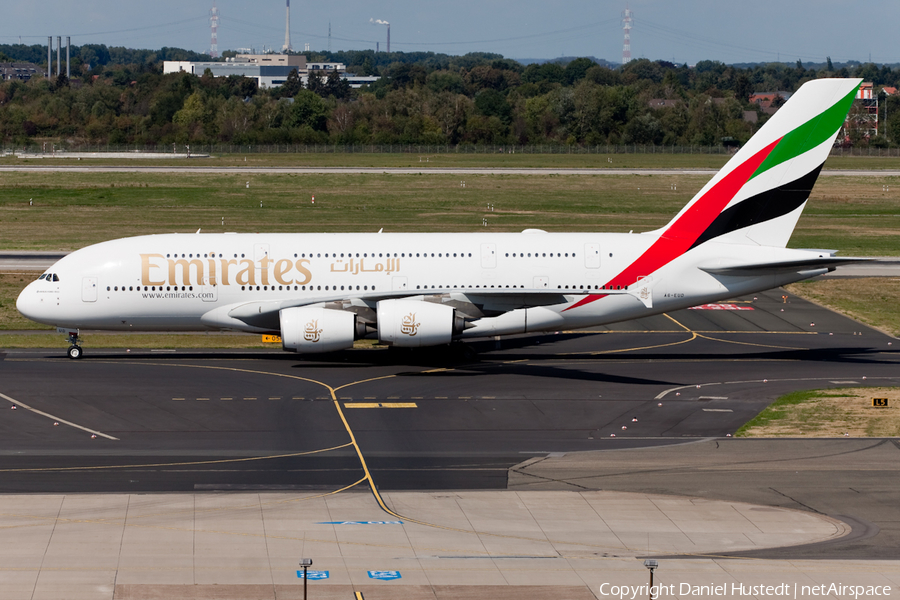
[[827, 413], [870, 300], [776, 411], [10, 286], [74, 210], [425, 160], [853, 214]]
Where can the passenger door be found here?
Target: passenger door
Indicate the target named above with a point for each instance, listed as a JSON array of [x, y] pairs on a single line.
[[89, 289], [592, 256], [488, 256]]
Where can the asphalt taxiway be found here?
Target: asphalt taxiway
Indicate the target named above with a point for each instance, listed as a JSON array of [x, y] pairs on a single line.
[[422, 420]]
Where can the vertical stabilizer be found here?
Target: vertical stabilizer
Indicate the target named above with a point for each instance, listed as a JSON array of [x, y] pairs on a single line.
[[758, 195]]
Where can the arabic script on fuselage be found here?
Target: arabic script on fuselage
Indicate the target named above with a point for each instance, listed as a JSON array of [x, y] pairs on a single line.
[[158, 270]]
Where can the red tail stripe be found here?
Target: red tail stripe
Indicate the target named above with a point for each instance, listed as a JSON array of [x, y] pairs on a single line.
[[681, 235]]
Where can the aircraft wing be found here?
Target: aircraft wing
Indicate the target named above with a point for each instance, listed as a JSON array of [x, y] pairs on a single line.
[[263, 315]]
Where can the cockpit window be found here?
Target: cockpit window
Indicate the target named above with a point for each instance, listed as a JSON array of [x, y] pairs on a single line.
[[55, 278], [42, 276]]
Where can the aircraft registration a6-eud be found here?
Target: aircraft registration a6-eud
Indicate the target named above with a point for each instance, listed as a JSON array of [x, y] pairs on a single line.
[[320, 292]]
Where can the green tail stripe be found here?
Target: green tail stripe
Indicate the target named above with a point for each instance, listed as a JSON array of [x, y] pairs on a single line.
[[809, 135]]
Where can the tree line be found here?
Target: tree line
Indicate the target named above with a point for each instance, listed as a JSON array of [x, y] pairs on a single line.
[[120, 96]]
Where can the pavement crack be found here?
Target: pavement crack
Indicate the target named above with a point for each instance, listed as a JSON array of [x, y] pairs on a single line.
[[550, 479], [792, 499]]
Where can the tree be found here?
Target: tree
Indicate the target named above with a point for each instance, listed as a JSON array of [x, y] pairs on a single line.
[[742, 89], [336, 86], [309, 110], [492, 103], [314, 82], [292, 85], [577, 70], [193, 113]]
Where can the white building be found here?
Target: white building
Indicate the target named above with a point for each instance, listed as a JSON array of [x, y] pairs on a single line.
[[269, 70]]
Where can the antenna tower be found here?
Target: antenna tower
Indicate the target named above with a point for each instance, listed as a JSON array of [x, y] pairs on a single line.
[[214, 27], [287, 29], [627, 20], [329, 37]]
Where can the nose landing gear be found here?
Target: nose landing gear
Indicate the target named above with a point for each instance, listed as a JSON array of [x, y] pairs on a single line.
[[74, 352]]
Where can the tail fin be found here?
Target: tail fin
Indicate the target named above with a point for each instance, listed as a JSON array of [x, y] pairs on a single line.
[[759, 194]]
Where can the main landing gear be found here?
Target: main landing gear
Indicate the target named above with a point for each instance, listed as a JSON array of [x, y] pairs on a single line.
[[75, 352]]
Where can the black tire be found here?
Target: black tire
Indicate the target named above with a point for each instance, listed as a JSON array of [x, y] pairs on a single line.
[[75, 352]]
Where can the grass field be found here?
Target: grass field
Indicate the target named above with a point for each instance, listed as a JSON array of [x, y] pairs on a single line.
[[857, 215], [828, 413], [11, 284], [870, 300], [654, 160]]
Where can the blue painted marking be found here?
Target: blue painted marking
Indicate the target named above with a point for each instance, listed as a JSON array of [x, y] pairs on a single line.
[[313, 575], [360, 523], [384, 575]]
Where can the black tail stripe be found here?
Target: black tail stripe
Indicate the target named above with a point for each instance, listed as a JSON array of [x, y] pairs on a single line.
[[763, 207]]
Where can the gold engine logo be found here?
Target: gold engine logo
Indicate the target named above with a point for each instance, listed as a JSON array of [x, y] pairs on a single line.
[[409, 326], [312, 331]]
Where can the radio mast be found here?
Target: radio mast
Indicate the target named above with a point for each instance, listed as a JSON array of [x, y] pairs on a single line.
[[214, 27], [627, 20]]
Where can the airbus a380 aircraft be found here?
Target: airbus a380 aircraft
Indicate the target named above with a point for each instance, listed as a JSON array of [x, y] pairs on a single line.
[[321, 292]]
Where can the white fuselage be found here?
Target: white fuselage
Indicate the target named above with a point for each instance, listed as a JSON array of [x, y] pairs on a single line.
[[184, 282]]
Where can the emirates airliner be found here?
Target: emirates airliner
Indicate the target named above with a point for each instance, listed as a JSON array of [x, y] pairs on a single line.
[[320, 292]]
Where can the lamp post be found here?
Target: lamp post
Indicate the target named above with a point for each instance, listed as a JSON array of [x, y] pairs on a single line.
[[652, 564], [307, 563], [886, 96]]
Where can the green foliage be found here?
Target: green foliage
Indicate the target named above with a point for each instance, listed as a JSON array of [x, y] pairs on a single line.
[[119, 95], [308, 110]]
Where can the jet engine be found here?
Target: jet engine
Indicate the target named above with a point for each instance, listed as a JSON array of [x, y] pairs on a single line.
[[413, 323], [310, 329]]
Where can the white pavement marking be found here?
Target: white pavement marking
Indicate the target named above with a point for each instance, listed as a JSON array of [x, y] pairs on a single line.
[[664, 393], [57, 419]]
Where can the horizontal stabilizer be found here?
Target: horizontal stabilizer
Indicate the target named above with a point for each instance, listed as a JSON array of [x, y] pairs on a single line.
[[785, 266]]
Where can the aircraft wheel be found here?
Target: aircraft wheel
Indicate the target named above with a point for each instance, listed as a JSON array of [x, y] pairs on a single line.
[[75, 352]]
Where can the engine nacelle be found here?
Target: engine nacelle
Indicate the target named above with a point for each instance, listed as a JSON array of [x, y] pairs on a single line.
[[413, 323], [310, 329]]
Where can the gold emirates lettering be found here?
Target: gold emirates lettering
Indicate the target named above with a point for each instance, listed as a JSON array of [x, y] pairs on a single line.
[[157, 270], [311, 332], [408, 325]]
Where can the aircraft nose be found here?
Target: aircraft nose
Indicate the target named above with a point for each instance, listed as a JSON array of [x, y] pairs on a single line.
[[30, 305]]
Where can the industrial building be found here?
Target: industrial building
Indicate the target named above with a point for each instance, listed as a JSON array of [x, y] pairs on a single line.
[[20, 71], [269, 70]]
